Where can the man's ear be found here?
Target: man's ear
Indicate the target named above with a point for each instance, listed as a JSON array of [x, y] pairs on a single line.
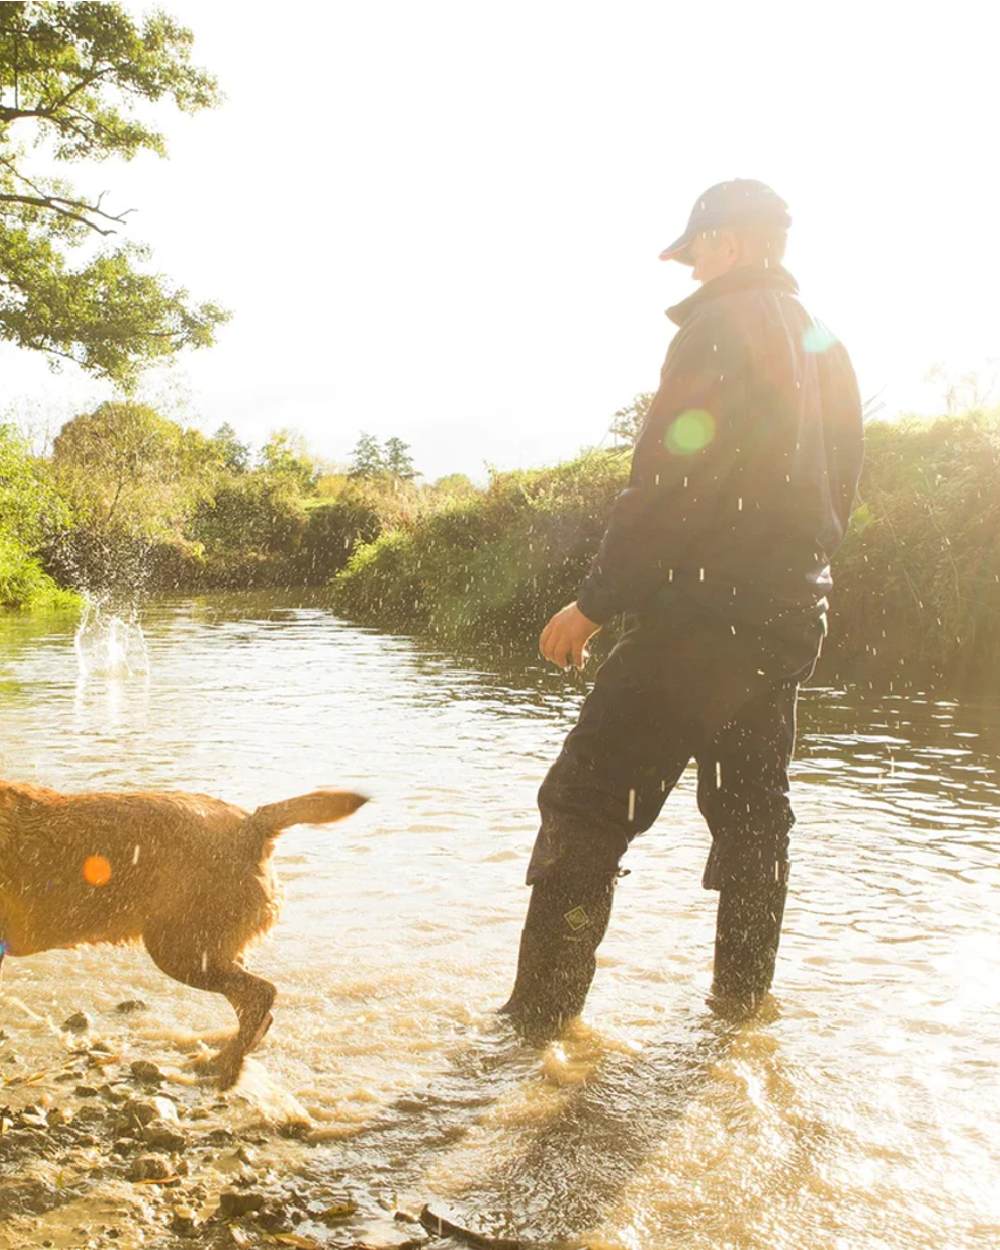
[[728, 242]]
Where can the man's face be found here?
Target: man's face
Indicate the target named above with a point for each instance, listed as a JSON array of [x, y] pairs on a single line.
[[714, 253]]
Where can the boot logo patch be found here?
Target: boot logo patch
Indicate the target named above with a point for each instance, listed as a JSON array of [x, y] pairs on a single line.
[[577, 919]]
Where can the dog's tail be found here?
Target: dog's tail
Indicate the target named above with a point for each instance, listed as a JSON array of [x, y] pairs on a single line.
[[322, 807]]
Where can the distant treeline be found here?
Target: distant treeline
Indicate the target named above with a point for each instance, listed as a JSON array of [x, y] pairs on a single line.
[[127, 501]]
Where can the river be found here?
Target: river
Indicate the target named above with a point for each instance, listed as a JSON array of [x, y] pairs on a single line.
[[862, 1112]]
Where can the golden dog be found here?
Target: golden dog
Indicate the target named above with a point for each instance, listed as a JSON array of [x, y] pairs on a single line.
[[188, 874]]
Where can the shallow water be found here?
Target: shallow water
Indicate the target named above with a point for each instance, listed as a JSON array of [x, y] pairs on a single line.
[[862, 1114]]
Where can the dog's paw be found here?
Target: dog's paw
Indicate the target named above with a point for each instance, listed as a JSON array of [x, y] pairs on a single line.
[[229, 1073]]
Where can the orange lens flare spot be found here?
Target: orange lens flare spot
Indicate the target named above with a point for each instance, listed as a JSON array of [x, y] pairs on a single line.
[[96, 870], [690, 432]]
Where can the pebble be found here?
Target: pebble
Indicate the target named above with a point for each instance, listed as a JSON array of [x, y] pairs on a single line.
[[150, 1168], [233, 1204], [78, 1022], [162, 1136], [130, 1005], [89, 1113], [184, 1221], [146, 1072]]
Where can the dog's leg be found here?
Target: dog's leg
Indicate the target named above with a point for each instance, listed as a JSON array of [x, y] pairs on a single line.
[[251, 997]]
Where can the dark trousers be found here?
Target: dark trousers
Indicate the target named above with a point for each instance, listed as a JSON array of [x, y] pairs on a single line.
[[697, 688]]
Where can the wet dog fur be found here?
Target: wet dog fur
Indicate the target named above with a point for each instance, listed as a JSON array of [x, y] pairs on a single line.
[[188, 875]]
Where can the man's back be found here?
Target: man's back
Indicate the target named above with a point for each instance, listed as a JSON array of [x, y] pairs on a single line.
[[745, 468]]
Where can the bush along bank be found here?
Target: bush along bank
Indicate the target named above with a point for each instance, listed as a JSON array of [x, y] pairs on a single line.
[[484, 569], [30, 509], [917, 595]]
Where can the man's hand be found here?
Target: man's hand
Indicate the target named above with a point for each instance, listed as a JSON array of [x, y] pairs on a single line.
[[564, 640]]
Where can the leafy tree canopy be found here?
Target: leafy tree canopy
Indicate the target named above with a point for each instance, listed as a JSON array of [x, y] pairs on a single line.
[[367, 458], [284, 454], [73, 81], [234, 454], [398, 461], [124, 467]]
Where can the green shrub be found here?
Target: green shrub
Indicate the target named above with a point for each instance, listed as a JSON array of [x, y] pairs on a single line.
[[30, 511], [483, 568], [25, 584]]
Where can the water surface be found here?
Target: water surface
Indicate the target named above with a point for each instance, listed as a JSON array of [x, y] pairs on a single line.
[[862, 1114]]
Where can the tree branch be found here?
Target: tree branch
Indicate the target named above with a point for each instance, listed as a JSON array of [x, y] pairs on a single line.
[[61, 204], [55, 205]]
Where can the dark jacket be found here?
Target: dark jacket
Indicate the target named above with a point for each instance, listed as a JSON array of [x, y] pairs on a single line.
[[746, 466]]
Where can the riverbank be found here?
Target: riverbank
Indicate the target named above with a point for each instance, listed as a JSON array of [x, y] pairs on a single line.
[[917, 599], [916, 604], [107, 1148]]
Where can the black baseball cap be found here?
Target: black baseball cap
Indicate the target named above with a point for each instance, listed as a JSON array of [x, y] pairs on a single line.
[[738, 202]]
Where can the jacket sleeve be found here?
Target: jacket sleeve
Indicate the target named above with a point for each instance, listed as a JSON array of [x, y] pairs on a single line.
[[683, 456]]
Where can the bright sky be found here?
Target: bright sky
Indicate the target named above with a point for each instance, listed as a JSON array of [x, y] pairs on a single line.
[[441, 219]]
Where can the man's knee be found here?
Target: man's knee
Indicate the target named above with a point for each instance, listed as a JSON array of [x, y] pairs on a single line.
[[749, 837], [587, 821]]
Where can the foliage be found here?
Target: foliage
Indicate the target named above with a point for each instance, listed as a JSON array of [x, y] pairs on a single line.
[[284, 455], [918, 579], [627, 421], [76, 78], [25, 584], [485, 567], [455, 486], [917, 595], [367, 458], [398, 461], [372, 460], [123, 467], [259, 515], [234, 456], [30, 509]]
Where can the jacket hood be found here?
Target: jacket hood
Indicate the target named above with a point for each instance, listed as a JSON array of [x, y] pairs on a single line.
[[742, 278]]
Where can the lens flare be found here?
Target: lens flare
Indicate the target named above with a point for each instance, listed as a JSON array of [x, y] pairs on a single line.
[[96, 870], [690, 432], [817, 338]]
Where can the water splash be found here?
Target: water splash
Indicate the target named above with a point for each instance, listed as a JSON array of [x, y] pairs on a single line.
[[108, 643]]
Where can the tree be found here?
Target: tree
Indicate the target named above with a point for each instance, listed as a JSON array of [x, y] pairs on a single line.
[[398, 461], [284, 455], [126, 469], [627, 421], [367, 458], [74, 79], [235, 456]]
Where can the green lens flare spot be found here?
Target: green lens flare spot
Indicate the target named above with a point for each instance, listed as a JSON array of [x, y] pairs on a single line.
[[817, 338], [577, 919], [691, 432]]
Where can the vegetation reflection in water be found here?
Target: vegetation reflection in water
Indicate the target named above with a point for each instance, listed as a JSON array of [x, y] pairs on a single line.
[[853, 1117]]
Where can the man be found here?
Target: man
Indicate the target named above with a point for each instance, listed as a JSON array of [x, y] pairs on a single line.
[[717, 555]]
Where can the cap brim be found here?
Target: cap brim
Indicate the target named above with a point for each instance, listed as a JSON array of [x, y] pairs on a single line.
[[680, 250]]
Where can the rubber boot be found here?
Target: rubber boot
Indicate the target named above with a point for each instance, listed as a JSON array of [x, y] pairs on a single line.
[[556, 962], [747, 932]]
